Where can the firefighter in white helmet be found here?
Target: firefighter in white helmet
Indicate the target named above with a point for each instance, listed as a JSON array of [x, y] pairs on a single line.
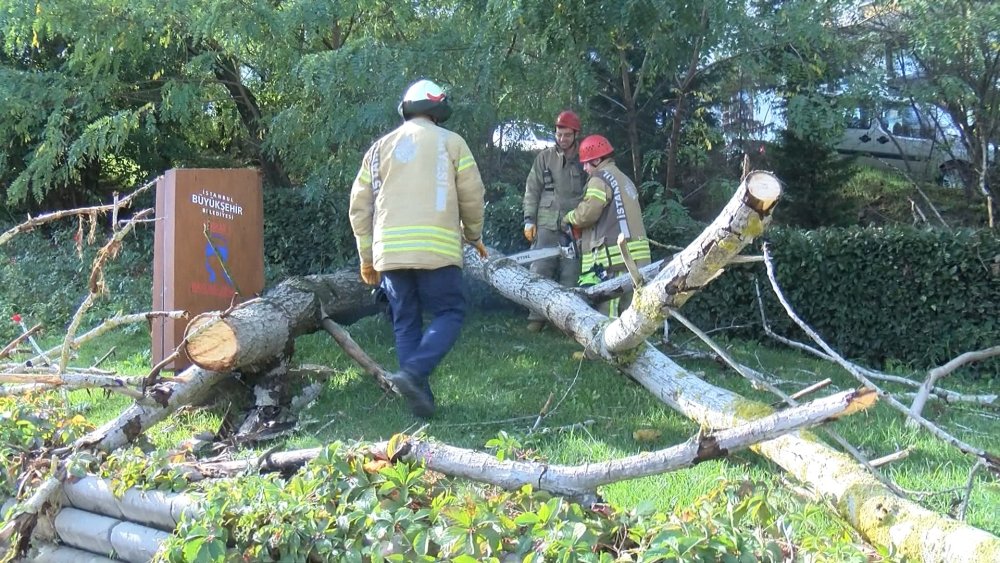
[[417, 196]]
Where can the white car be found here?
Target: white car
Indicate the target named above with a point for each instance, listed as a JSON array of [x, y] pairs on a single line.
[[523, 135], [902, 139]]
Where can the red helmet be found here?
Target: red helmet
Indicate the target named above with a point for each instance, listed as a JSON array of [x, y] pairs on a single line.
[[568, 119], [594, 147]]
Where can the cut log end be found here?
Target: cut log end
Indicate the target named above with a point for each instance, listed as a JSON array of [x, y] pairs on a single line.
[[212, 344], [862, 399], [764, 190]]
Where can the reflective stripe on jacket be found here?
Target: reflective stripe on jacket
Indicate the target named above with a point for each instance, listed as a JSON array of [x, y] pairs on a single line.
[[554, 186], [418, 193]]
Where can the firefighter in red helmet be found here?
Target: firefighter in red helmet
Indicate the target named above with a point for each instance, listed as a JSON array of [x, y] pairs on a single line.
[[554, 186], [610, 207]]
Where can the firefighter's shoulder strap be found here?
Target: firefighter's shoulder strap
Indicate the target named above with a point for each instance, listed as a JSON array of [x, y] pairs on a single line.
[[619, 204]]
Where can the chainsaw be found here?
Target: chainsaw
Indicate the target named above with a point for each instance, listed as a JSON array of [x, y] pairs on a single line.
[[567, 249]]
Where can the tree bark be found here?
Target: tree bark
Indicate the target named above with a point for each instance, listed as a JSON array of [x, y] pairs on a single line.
[[742, 220], [576, 481], [261, 328], [882, 517]]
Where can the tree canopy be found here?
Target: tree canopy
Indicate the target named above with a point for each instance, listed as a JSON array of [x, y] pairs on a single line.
[[101, 94]]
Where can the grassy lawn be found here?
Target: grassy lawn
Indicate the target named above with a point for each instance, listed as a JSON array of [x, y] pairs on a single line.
[[499, 377]]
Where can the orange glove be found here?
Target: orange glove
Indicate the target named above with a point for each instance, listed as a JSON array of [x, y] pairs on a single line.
[[370, 275], [530, 230], [480, 248]]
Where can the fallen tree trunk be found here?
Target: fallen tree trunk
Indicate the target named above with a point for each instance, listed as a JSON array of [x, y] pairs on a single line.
[[191, 386], [299, 302], [742, 220], [882, 517], [260, 329]]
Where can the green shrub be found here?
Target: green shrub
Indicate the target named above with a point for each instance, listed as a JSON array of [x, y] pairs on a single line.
[[30, 423], [306, 231], [503, 228], [343, 507], [668, 221], [814, 176], [915, 296]]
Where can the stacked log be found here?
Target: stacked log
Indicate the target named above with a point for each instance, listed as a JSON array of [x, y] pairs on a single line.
[[93, 525]]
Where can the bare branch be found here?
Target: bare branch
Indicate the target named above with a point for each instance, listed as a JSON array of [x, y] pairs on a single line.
[[968, 488], [575, 480], [343, 338], [583, 480], [33, 222], [895, 456], [8, 349], [991, 460], [96, 284], [113, 323], [75, 381], [937, 373], [760, 383]]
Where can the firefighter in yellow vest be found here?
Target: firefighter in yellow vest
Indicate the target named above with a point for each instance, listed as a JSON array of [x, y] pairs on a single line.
[[417, 196], [610, 207], [554, 186]]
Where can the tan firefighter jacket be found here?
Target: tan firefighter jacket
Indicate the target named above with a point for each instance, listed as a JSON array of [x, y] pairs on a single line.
[[597, 217], [554, 186], [418, 193]]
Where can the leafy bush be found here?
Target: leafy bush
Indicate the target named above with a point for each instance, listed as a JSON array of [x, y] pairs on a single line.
[[31, 423], [915, 296], [345, 507], [504, 222], [668, 221], [306, 231]]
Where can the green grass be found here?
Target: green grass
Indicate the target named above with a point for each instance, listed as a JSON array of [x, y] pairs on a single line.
[[499, 376], [887, 197]]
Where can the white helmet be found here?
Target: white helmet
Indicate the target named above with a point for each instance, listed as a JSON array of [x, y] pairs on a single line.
[[424, 97]]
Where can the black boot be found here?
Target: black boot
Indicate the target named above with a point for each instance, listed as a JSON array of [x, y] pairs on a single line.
[[417, 392]]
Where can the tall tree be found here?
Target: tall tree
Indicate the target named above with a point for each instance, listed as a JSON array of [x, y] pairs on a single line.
[[141, 85], [947, 53]]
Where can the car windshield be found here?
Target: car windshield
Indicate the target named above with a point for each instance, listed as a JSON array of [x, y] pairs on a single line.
[[906, 121], [902, 119]]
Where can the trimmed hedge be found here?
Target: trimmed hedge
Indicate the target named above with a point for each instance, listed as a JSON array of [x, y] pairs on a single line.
[[919, 297]]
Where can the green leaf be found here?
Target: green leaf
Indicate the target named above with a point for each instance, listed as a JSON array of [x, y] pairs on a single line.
[[192, 549]]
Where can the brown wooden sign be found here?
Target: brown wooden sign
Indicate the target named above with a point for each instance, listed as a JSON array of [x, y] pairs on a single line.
[[208, 245]]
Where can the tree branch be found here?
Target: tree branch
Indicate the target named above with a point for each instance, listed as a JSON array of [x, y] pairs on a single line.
[[991, 460]]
